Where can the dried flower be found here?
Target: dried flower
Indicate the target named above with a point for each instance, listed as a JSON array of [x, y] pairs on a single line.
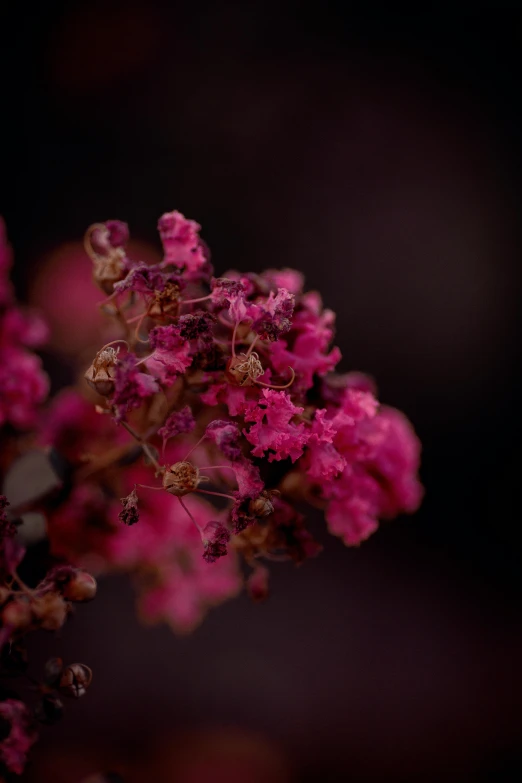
[[215, 538], [181, 478], [75, 680], [130, 515], [100, 375]]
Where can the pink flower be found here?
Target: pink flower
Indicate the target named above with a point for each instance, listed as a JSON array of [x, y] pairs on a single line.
[[75, 429], [21, 735], [178, 423], [144, 279], [131, 387], [290, 279], [166, 366], [178, 585], [225, 435], [322, 460], [353, 510], [274, 430], [224, 289], [81, 528], [234, 397], [23, 387], [307, 348], [181, 242], [114, 235], [275, 314], [19, 327], [380, 480]]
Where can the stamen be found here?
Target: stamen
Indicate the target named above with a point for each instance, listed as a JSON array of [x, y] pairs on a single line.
[[251, 366], [217, 494], [271, 386]]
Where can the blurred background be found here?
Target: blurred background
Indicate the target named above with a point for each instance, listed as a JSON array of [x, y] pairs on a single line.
[[380, 153]]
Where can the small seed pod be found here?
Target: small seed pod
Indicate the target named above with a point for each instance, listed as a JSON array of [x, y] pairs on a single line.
[[100, 375], [181, 478], [53, 671], [108, 261], [50, 610], [75, 680], [81, 587], [49, 709], [262, 506], [17, 614]]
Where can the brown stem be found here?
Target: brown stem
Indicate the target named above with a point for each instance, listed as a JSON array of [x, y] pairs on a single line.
[[144, 446]]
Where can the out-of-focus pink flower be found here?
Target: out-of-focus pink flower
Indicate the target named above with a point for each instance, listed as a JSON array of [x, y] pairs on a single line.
[[178, 423], [290, 279], [62, 289], [225, 435], [175, 583], [23, 387], [21, 735], [380, 480]]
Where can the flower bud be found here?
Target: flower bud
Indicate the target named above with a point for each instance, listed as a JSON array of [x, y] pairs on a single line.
[[81, 587], [17, 614], [100, 375], [75, 680], [262, 506], [50, 610]]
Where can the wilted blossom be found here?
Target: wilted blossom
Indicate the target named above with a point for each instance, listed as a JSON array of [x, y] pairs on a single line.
[[177, 423]]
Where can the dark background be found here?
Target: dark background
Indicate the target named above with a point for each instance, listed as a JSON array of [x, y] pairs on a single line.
[[380, 153]]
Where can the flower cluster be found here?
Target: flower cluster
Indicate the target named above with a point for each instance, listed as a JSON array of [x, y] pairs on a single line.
[[23, 384], [44, 603], [217, 411], [190, 452]]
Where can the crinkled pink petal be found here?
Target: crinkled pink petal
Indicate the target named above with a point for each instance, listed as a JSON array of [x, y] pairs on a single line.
[[181, 243]]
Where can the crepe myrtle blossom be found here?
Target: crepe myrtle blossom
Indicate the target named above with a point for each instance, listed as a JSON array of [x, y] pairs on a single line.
[[189, 452], [225, 408]]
